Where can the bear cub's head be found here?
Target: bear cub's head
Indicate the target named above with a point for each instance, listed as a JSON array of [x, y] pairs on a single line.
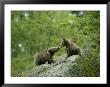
[[52, 50], [64, 42]]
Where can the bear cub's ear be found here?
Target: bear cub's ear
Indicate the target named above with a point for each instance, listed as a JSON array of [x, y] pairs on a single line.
[[49, 50]]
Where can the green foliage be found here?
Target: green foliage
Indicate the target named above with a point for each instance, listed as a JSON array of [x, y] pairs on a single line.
[[88, 65], [35, 31]]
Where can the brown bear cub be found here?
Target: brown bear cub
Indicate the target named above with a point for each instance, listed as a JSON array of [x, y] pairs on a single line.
[[46, 56], [71, 48]]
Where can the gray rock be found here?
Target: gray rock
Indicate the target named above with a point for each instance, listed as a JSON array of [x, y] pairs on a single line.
[[61, 68]]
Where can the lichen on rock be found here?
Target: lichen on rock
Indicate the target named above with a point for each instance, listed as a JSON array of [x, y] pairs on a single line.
[[61, 68]]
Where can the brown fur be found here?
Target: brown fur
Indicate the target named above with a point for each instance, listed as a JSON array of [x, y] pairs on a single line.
[[71, 48], [45, 56]]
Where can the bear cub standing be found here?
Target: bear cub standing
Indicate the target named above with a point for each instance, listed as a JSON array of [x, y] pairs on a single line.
[[71, 48], [45, 56]]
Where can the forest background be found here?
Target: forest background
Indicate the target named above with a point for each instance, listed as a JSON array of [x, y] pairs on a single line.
[[35, 31]]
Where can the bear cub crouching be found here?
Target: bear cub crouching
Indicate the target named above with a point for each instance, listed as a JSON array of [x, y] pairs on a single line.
[[46, 56]]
